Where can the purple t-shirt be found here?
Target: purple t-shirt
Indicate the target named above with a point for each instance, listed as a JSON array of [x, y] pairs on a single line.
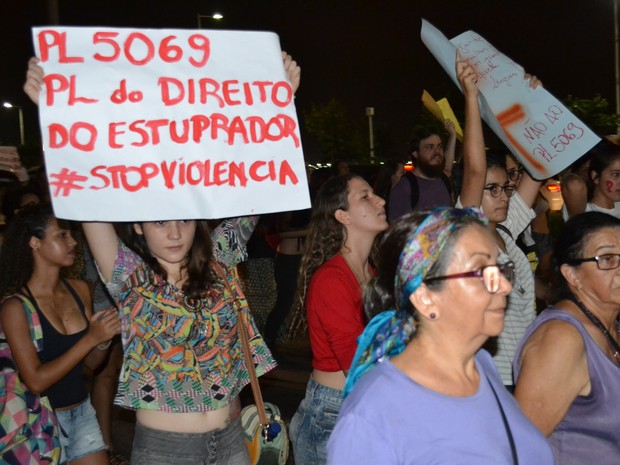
[[590, 430], [391, 419], [432, 193]]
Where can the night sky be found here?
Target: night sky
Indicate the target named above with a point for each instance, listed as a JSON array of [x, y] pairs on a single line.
[[363, 53]]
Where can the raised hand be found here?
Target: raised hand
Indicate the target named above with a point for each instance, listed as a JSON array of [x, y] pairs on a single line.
[[449, 125], [293, 71], [34, 80], [467, 76]]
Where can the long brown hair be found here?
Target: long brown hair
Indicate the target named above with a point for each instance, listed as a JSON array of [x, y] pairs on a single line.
[[325, 239]]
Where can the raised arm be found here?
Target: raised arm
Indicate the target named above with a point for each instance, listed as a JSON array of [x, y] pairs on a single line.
[[450, 148], [101, 237], [103, 243], [528, 189], [474, 155], [230, 239]]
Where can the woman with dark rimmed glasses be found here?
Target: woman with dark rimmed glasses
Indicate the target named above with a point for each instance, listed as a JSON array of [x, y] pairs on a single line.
[[567, 367], [486, 184], [514, 173], [419, 390]]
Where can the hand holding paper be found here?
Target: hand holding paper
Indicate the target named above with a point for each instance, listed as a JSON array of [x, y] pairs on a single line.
[[443, 112], [533, 124]]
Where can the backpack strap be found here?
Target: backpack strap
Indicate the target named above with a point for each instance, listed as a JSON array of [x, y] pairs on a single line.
[[36, 331], [414, 187], [448, 182]]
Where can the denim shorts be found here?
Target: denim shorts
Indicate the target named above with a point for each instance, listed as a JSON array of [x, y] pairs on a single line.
[[218, 447], [314, 422], [80, 434]]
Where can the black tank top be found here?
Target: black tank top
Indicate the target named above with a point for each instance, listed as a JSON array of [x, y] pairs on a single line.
[[71, 389]]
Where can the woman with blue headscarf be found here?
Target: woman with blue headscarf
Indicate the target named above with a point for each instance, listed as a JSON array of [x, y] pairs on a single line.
[[420, 390]]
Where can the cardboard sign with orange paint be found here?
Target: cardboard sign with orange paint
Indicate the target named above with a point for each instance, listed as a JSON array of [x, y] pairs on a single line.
[[534, 125]]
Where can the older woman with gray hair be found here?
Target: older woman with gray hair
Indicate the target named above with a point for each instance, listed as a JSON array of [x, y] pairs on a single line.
[[420, 390]]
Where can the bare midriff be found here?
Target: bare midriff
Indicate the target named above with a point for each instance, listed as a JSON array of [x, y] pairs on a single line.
[[201, 422], [330, 379]]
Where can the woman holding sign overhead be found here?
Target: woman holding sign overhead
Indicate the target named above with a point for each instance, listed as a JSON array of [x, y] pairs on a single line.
[[485, 184], [176, 288]]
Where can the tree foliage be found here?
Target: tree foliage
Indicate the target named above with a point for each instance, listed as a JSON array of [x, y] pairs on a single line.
[[595, 112], [339, 136]]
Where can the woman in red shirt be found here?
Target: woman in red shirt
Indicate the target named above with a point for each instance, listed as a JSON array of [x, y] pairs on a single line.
[[347, 217]]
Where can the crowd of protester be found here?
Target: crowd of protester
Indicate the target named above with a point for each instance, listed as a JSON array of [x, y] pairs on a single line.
[[445, 319]]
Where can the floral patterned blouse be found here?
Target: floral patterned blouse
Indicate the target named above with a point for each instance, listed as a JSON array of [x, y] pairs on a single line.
[[179, 355]]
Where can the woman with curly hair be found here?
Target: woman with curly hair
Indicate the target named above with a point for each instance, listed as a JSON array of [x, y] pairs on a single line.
[[36, 248], [346, 218]]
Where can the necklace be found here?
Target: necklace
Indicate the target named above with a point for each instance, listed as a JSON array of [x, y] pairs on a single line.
[[359, 281], [610, 340]]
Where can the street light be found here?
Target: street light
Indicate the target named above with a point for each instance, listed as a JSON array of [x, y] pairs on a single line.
[[370, 112], [215, 16], [21, 120]]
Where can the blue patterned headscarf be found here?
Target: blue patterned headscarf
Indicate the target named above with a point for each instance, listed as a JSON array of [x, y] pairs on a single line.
[[388, 333]]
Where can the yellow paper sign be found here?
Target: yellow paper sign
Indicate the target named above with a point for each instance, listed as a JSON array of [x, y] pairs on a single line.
[[442, 111]]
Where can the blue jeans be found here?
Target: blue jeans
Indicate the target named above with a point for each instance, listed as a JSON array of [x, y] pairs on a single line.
[[314, 422], [79, 432], [218, 447]]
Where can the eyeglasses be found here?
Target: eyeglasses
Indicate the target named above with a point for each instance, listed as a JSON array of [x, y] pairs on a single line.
[[496, 190], [608, 261], [489, 274], [515, 174]]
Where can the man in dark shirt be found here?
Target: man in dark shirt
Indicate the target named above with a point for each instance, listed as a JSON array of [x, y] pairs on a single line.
[[429, 184]]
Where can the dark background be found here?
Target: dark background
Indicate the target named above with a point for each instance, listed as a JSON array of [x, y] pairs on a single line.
[[362, 53]]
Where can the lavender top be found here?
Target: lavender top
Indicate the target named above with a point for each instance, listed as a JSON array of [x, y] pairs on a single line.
[[590, 430], [390, 419]]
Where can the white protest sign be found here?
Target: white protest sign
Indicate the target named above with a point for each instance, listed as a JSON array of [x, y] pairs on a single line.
[[534, 125], [144, 124]]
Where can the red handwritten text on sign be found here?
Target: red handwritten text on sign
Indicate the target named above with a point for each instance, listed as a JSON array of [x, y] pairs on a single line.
[[174, 174], [127, 111], [252, 129], [167, 50]]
